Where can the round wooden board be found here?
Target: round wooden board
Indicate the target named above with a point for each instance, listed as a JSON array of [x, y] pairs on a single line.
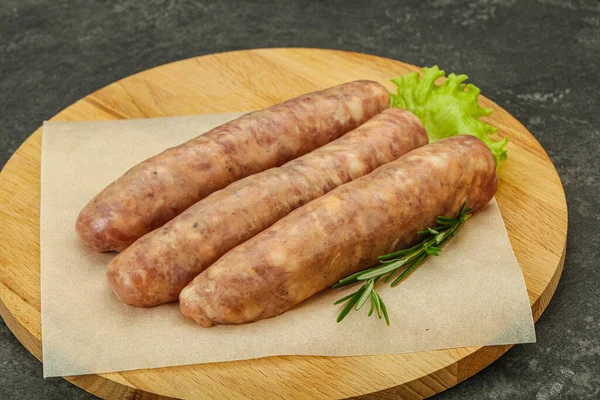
[[530, 197]]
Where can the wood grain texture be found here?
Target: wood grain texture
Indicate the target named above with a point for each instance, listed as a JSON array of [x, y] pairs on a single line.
[[530, 197]]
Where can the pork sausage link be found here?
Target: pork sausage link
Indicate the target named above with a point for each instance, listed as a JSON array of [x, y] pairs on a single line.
[[156, 267], [342, 232], [156, 190]]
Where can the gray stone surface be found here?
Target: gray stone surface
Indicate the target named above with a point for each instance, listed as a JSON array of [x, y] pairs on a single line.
[[537, 59]]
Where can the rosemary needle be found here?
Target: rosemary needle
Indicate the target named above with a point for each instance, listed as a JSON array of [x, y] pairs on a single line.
[[406, 260]]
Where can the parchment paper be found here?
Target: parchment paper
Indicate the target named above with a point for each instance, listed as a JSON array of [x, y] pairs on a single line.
[[473, 294]]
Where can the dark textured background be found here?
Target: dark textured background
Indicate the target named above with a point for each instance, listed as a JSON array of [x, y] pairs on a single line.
[[537, 59]]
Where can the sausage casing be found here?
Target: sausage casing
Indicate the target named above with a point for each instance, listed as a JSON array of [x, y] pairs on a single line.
[[156, 267], [342, 232], [156, 190]]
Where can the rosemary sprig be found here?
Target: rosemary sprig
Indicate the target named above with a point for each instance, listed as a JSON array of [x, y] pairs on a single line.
[[406, 260]]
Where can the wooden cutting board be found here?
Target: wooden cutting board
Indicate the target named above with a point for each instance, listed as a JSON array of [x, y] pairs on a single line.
[[530, 197]]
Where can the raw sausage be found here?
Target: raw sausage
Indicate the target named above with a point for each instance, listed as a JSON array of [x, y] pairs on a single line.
[[342, 232], [158, 189], [156, 267]]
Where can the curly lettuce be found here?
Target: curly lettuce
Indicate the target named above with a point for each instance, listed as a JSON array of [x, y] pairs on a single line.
[[448, 109]]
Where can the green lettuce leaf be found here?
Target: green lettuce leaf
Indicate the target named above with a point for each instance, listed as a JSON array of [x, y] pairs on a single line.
[[448, 109]]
